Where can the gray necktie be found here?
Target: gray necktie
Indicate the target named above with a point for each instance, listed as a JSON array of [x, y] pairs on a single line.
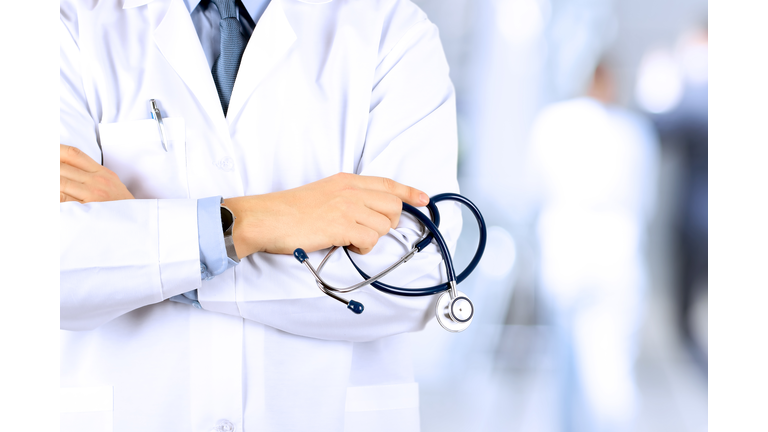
[[232, 46]]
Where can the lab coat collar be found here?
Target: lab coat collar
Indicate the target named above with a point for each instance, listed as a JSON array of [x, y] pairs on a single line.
[[271, 39], [176, 38]]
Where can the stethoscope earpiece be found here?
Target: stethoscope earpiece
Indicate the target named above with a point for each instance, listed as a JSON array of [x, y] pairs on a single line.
[[355, 307]]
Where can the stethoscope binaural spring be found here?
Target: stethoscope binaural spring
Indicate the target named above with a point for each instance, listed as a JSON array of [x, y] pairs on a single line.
[[454, 311]]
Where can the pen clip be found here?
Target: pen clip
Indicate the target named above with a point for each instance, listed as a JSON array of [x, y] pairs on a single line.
[[159, 119]]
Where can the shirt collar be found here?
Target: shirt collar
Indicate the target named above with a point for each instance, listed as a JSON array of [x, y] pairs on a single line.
[[252, 6]]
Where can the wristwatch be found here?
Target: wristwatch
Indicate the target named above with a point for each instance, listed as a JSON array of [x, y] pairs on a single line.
[[227, 224]]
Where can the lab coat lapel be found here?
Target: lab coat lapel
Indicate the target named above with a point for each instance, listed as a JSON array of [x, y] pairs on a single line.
[[177, 40], [270, 40]]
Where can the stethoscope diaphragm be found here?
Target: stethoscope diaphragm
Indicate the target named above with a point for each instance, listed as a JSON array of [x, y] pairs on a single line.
[[454, 314]]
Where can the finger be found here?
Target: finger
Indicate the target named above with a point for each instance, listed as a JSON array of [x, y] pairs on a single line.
[[362, 239], [72, 173], [373, 220], [77, 158], [66, 198], [76, 190], [408, 194], [384, 203], [354, 249]]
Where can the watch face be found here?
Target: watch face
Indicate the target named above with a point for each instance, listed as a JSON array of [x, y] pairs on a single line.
[[227, 219]]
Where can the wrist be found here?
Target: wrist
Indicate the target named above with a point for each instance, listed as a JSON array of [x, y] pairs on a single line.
[[245, 231]]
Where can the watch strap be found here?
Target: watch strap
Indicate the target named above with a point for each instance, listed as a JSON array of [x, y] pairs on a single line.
[[230, 246], [229, 243]]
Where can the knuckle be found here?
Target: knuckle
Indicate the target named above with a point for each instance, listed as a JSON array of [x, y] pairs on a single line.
[[102, 180], [382, 226], [388, 183], [365, 240], [371, 239], [107, 172], [346, 206], [72, 151], [342, 177], [396, 205], [395, 221]]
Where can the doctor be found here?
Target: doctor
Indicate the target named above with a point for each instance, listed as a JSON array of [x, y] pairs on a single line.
[[322, 88]]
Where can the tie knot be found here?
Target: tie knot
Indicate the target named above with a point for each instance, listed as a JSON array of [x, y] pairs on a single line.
[[227, 8]]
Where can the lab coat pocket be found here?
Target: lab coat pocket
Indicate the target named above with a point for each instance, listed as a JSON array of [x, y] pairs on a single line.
[[134, 151], [382, 408], [86, 409]]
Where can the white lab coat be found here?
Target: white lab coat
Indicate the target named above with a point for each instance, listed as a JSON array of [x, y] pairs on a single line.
[[323, 87]]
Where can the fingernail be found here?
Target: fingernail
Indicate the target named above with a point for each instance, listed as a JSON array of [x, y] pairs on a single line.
[[424, 198]]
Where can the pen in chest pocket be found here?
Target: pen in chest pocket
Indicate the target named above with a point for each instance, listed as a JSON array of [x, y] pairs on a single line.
[[155, 112]]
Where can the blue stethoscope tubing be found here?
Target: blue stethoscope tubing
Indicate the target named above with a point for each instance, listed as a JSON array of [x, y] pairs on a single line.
[[453, 309], [432, 226]]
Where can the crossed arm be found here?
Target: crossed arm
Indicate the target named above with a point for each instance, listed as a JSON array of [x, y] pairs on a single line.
[[121, 255], [340, 210]]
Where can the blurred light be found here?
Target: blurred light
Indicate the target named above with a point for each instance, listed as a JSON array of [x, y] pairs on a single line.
[[660, 84], [692, 54], [694, 60], [500, 253], [521, 21]]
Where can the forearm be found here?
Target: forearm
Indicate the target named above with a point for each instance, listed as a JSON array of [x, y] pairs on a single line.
[[121, 255], [281, 293]]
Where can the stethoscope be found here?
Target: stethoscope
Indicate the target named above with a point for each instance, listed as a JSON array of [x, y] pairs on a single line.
[[454, 310]]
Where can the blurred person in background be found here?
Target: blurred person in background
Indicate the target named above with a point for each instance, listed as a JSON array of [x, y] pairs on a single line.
[[684, 130], [594, 166]]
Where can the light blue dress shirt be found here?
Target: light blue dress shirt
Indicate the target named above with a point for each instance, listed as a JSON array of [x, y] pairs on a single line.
[[213, 254], [205, 17]]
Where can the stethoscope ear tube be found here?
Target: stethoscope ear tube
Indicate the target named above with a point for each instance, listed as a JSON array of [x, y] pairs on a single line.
[[352, 305]]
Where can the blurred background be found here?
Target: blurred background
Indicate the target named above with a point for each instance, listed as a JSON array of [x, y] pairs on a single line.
[[583, 139]]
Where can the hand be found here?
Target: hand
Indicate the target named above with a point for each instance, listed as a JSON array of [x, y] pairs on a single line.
[[83, 180], [340, 210]]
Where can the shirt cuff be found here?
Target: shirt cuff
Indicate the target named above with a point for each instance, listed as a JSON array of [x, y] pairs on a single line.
[[213, 252]]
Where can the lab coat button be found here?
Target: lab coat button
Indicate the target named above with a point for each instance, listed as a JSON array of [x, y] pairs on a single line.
[[224, 426], [226, 164]]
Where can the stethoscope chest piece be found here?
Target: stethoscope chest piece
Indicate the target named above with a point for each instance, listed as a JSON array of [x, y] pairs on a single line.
[[454, 314]]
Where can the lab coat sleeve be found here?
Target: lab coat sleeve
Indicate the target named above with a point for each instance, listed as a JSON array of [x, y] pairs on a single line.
[[411, 138], [121, 255]]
